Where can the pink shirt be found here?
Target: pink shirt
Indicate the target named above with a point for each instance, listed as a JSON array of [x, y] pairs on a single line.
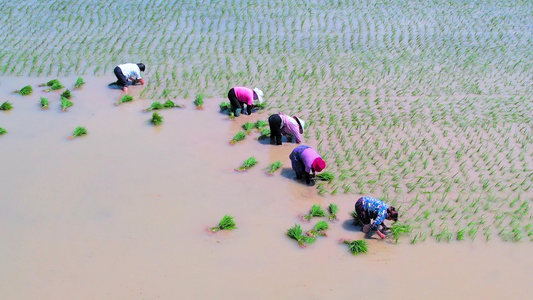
[[308, 156], [244, 95], [290, 126]]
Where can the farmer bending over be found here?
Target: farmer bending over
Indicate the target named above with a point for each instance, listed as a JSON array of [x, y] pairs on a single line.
[[281, 124], [305, 160], [238, 96], [368, 208], [127, 72]]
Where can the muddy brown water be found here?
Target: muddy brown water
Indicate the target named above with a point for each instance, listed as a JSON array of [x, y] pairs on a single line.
[[122, 214]]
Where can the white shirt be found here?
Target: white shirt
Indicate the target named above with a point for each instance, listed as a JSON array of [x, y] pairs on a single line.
[[131, 71]]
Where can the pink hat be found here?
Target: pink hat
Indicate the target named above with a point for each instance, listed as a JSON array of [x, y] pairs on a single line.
[[319, 164]]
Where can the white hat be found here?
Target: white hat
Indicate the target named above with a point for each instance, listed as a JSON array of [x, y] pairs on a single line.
[[259, 94], [301, 122]]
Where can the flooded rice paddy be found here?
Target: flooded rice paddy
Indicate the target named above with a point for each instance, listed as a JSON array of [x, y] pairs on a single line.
[[425, 105]]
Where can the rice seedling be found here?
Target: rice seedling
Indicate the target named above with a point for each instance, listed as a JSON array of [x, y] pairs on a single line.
[[248, 126], [2, 131], [296, 233], [325, 176], [154, 106], [53, 85], [319, 229], [316, 211], [79, 83], [399, 230], [79, 131], [225, 106], [227, 223], [260, 106], [50, 83], [66, 94], [26, 90], [156, 119], [171, 104], [124, 99], [238, 137], [247, 164], [333, 210], [44, 103], [199, 101], [260, 124], [265, 134], [231, 116], [357, 246], [65, 104], [6, 106]]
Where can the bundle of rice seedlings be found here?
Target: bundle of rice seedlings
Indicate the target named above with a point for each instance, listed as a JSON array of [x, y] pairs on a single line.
[[250, 162], [225, 106], [248, 126], [320, 229], [79, 131], [227, 223], [155, 106], [333, 210], [66, 94], [356, 247], [6, 106], [260, 105], [25, 90], [325, 176], [316, 211], [399, 230], [171, 104], [2, 131], [296, 233], [124, 99], [79, 83], [44, 103], [231, 116], [260, 124], [273, 167], [238, 137], [156, 119], [65, 104], [50, 83], [199, 101], [265, 134], [53, 85]]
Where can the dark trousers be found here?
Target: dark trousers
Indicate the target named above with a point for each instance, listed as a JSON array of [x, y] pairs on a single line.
[[121, 79], [362, 216], [235, 103], [275, 129]]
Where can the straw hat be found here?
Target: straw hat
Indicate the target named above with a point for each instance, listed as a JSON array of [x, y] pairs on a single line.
[[259, 94], [301, 122]]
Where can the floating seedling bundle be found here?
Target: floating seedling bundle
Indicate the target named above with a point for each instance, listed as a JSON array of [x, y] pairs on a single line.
[[79, 131], [265, 133], [225, 106], [296, 233], [316, 211], [171, 104], [6, 106], [65, 104], [238, 137], [25, 90], [260, 124], [124, 99], [44, 103], [333, 210], [156, 119], [273, 167], [2, 131], [227, 223], [319, 229], [66, 94], [325, 176], [250, 162], [199, 101], [154, 106], [356, 247], [53, 85], [248, 126], [79, 83]]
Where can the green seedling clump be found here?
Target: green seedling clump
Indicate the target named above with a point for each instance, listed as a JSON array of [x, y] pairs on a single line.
[[2, 131], [79, 83], [333, 210], [225, 106], [65, 104], [25, 90], [261, 105], [273, 167], [6, 106], [53, 85], [265, 133], [79, 131], [44, 103], [238, 137], [316, 211], [325, 176], [50, 83], [399, 230], [155, 106], [227, 223], [357, 247], [248, 126], [171, 104], [260, 124], [199, 101], [124, 99], [66, 94], [231, 115], [320, 229], [296, 233], [156, 119], [250, 162]]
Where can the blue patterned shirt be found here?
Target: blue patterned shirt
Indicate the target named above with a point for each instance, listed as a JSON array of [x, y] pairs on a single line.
[[376, 209]]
